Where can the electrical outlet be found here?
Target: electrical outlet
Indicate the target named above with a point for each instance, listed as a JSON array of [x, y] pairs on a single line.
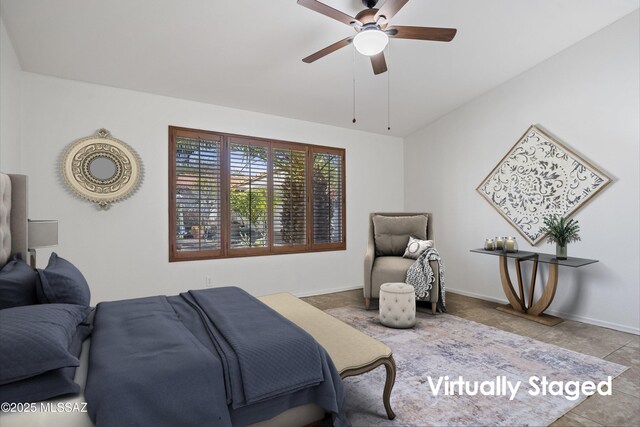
[[207, 282]]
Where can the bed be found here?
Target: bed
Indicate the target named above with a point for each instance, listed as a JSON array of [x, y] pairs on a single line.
[[276, 408]]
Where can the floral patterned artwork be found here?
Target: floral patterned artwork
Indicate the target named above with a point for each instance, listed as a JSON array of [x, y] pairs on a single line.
[[539, 177]]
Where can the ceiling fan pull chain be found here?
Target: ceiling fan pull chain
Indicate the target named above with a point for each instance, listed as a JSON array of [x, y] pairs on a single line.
[[354, 84], [388, 87]]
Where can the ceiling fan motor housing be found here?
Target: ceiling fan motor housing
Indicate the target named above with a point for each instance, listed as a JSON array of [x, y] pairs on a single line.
[[370, 3]]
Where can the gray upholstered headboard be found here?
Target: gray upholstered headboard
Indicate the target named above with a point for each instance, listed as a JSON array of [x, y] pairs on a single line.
[[13, 216]]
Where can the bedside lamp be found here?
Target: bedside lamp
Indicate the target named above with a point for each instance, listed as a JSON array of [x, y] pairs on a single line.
[[42, 234]]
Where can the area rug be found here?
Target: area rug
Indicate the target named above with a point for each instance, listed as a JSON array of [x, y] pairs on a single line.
[[449, 346]]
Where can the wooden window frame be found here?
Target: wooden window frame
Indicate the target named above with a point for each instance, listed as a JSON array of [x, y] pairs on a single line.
[[225, 250], [174, 254], [226, 191], [306, 247], [336, 245]]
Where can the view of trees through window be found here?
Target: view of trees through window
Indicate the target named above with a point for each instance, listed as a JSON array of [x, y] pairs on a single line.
[[239, 196], [248, 195]]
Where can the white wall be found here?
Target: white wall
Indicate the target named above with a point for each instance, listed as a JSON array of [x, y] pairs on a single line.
[[10, 76], [123, 251], [588, 97]]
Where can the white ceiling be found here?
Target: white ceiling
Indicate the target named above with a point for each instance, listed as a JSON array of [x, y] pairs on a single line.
[[247, 53]]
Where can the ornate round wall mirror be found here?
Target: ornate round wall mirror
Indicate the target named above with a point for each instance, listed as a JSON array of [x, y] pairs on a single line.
[[102, 169]]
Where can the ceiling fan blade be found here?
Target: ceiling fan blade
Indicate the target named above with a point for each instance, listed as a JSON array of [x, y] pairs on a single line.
[[327, 50], [389, 9], [379, 64], [322, 8], [422, 33]]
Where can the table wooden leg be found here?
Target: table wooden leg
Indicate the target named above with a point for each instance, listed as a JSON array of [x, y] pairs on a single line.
[[513, 298], [532, 287], [525, 306], [520, 285], [548, 293], [517, 304]]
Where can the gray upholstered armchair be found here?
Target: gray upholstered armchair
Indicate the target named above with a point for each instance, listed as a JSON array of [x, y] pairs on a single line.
[[388, 237]]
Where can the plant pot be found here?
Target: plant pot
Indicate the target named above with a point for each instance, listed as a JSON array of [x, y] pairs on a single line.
[[561, 251], [197, 233]]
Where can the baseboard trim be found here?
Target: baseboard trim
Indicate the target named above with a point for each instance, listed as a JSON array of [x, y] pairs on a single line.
[[326, 291], [569, 316]]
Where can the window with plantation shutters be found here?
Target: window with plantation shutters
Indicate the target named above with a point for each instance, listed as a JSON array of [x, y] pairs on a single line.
[[196, 195], [328, 197], [233, 195], [248, 194]]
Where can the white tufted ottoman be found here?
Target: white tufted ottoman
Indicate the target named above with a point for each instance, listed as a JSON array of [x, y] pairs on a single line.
[[397, 305]]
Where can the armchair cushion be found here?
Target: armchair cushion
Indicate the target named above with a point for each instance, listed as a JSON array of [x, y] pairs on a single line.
[[388, 269], [391, 233]]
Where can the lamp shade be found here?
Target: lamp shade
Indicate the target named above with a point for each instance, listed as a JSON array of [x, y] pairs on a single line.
[[43, 233], [370, 42]]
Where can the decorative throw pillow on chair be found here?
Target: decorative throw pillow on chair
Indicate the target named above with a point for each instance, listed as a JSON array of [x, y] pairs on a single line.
[[416, 247]]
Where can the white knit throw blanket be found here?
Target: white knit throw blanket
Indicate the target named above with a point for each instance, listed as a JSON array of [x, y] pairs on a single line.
[[420, 276]]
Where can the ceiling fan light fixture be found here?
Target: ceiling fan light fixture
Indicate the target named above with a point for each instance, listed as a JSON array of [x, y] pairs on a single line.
[[370, 41]]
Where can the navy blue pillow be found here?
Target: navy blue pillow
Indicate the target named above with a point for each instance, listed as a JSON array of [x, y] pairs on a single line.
[[37, 338], [61, 282], [17, 284], [54, 383]]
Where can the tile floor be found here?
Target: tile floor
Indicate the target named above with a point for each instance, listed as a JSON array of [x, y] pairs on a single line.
[[620, 409]]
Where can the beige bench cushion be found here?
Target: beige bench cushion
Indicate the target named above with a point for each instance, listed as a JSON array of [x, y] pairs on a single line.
[[348, 347]]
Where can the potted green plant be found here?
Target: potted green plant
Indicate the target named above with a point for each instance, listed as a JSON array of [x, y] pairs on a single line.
[[197, 231], [561, 232]]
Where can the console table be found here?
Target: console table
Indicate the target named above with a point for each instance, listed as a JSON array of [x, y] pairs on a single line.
[[527, 308]]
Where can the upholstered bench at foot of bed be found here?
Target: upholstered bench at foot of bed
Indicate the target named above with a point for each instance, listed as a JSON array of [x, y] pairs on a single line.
[[352, 352]]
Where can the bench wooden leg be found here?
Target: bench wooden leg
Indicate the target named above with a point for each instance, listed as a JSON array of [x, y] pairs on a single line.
[[434, 305], [367, 303], [390, 366]]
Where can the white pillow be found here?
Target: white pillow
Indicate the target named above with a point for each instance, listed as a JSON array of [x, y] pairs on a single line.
[[416, 247]]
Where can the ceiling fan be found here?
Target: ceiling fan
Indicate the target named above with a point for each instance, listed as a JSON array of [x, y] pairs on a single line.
[[373, 30]]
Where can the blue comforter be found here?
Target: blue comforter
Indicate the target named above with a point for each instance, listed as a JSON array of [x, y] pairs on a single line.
[[212, 357]]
